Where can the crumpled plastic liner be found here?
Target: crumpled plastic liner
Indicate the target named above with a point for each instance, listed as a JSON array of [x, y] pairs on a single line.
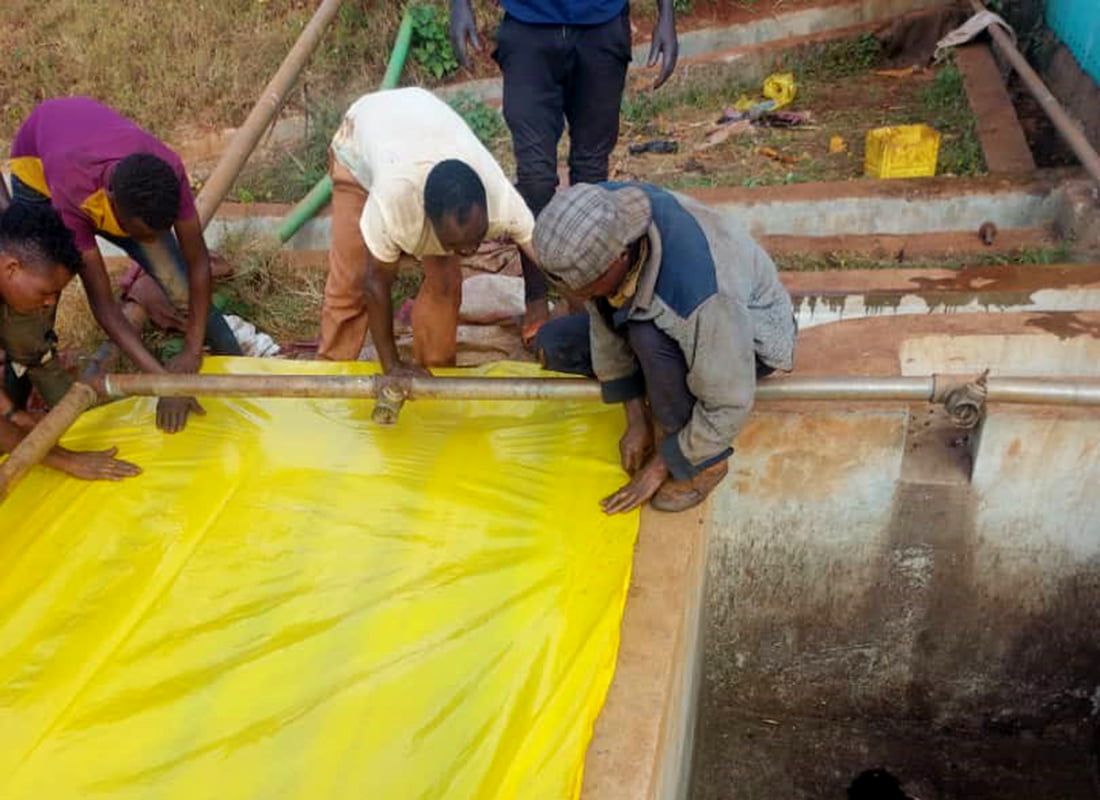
[[294, 603]]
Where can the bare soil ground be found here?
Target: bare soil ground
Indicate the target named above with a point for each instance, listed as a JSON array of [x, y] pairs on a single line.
[[846, 106]]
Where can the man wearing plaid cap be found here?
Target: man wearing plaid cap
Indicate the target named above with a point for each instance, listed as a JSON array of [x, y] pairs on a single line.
[[685, 312]]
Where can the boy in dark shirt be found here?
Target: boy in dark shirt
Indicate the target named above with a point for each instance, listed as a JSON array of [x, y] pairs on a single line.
[[37, 260]]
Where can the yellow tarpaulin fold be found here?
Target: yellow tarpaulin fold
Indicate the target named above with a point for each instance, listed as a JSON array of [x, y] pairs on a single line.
[[294, 603]]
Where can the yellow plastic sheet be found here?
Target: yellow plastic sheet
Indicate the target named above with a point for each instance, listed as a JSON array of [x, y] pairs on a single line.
[[293, 603]]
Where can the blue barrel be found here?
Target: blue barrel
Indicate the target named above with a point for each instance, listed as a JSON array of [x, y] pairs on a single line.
[[1077, 23]]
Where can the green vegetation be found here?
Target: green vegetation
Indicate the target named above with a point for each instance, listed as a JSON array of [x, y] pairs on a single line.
[[431, 42], [948, 110], [278, 296], [207, 63], [946, 90], [287, 176], [641, 108], [819, 262], [691, 181], [840, 59], [486, 123]]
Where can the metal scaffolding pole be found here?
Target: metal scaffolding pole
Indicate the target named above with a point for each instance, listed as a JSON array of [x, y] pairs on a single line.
[[951, 390], [37, 444]]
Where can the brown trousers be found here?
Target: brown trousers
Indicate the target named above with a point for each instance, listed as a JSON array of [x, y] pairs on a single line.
[[344, 312]]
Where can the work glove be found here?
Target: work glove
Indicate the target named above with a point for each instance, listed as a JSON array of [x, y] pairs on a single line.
[[665, 47], [463, 27]]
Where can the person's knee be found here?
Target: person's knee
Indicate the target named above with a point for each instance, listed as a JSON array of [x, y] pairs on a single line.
[[220, 337], [652, 345], [344, 303], [52, 382], [563, 345]]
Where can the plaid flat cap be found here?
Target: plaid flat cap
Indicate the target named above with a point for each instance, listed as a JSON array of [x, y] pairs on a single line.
[[585, 228]]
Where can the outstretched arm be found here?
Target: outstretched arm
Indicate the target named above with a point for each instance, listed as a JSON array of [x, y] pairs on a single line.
[[93, 465]]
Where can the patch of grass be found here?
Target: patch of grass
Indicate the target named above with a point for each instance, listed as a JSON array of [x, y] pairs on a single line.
[[839, 59], [945, 103], [820, 262], [163, 64], [961, 153], [642, 108], [287, 176], [1059, 253], [945, 92], [824, 262], [270, 291], [280, 297], [689, 181], [486, 123], [174, 67]]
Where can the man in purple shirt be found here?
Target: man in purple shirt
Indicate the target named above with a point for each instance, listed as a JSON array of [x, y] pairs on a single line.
[[563, 61], [107, 177]]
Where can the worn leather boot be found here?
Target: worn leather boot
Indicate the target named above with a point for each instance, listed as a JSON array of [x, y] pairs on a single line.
[[682, 495]]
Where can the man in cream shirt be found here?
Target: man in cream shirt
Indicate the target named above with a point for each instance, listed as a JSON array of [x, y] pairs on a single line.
[[409, 179]]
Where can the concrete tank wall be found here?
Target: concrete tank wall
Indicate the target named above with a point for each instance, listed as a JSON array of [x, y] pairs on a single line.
[[848, 577], [872, 586]]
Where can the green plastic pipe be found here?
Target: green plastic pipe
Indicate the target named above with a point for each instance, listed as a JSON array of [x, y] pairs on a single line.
[[321, 193], [306, 208], [400, 52]]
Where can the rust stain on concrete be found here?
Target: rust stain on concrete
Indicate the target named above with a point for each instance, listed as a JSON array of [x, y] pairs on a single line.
[[1065, 325], [815, 453]]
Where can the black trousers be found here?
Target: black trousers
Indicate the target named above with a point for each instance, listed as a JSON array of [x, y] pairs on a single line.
[[553, 75], [563, 346]]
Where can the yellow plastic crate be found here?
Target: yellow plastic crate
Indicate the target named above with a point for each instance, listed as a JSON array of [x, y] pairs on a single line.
[[902, 151]]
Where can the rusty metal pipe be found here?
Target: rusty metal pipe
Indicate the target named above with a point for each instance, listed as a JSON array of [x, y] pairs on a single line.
[[1065, 124], [346, 386], [37, 444], [828, 387], [271, 100], [1040, 391], [795, 387]]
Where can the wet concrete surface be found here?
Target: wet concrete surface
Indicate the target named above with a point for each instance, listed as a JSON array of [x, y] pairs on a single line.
[[745, 756]]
